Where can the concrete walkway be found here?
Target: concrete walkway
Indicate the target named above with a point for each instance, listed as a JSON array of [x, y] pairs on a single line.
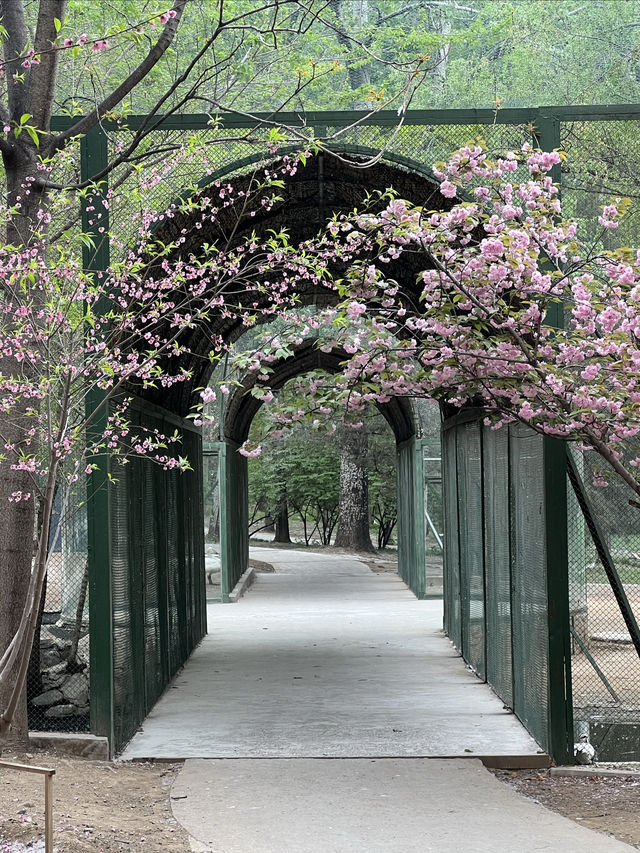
[[378, 805], [322, 659], [327, 682]]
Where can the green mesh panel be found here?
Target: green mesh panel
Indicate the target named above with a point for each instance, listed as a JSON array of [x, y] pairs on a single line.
[[451, 580], [127, 657], [157, 575], [410, 516], [528, 578], [497, 561], [469, 451]]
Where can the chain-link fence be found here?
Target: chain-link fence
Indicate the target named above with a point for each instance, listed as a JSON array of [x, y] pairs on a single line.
[[58, 677], [604, 587]]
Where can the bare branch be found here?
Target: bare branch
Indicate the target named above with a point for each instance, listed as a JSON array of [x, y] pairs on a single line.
[[43, 75], [13, 20], [137, 75]]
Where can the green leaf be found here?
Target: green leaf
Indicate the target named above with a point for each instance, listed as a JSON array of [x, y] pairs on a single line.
[[25, 118], [57, 23], [33, 133]]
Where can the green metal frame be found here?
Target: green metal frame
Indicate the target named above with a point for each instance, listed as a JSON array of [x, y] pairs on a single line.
[[544, 123], [559, 620], [94, 159], [411, 523], [541, 119]]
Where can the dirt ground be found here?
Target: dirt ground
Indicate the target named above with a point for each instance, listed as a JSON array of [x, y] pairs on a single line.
[[607, 805], [100, 807]]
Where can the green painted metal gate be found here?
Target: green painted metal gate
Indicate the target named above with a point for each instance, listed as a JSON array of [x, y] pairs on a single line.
[[411, 516], [506, 600], [148, 579]]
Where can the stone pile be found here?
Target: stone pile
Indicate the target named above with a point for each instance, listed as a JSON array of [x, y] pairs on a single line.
[[65, 694]]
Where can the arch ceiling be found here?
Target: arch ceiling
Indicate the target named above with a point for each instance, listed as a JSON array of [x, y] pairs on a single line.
[[243, 406], [325, 185]]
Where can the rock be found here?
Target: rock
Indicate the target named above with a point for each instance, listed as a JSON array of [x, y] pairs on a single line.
[[49, 657], [83, 650], [61, 711], [53, 676], [76, 689], [49, 697], [56, 669]]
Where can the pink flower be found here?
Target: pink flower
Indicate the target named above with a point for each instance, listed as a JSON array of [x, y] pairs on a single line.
[[491, 249], [448, 189], [251, 454]]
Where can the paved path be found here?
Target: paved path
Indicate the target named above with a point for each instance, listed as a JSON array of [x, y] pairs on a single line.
[[327, 659], [319, 681], [367, 806]]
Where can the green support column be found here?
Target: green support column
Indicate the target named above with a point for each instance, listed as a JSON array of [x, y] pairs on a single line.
[[224, 514], [94, 158], [556, 527], [559, 674]]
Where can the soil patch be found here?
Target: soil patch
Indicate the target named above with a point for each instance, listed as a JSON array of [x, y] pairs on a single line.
[[98, 807], [607, 805]]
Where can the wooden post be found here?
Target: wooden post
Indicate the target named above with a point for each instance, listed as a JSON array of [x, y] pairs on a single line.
[[48, 774]]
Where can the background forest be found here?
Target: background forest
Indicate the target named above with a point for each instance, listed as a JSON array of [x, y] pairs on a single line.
[[484, 52]]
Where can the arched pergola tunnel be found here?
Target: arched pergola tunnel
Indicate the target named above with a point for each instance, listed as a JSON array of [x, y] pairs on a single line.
[[233, 470], [505, 509]]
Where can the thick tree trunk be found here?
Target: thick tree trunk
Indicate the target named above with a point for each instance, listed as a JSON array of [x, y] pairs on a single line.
[[282, 524], [16, 549], [353, 523], [17, 525]]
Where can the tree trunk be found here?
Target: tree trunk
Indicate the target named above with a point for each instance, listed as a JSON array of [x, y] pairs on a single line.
[[441, 25], [353, 523], [18, 517], [282, 523], [16, 556]]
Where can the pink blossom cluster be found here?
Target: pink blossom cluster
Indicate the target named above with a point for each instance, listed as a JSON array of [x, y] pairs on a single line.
[[494, 266]]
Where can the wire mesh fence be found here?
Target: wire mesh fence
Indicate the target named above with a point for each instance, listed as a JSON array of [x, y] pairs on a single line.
[[58, 677], [496, 606], [604, 587]]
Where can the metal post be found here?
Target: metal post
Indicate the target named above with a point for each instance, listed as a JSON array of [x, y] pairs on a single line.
[[94, 158], [547, 134], [224, 537], [418, 521], [557, 551], [547, 137]]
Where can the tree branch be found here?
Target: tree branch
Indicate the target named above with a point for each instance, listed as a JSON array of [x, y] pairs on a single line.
[[43, 76], [13, 20], [137, 76]]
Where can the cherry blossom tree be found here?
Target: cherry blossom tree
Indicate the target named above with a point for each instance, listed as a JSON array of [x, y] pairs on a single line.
[[65, 333], [495, 268], [69, 58]]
